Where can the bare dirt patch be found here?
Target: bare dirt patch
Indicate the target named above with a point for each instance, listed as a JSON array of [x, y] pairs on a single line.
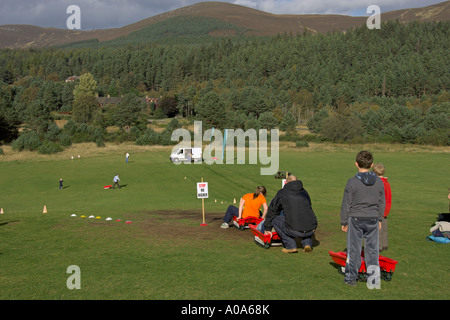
[[178, 225], [184, 226]]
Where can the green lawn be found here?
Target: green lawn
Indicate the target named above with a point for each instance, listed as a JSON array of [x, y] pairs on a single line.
[[130, 261]]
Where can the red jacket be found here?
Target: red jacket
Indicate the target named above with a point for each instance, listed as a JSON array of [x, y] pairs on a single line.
[[388, 196]]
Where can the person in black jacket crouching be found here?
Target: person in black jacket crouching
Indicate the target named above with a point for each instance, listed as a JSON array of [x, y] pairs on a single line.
[[291, 215]]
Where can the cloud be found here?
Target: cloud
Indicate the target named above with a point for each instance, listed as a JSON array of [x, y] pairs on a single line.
[[346, 7], [95, 14]]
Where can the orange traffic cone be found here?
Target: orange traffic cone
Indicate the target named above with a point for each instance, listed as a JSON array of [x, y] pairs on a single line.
[[234, 200], [45, 209]]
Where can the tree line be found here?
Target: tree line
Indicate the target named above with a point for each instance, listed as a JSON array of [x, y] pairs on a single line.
[[379, 85]]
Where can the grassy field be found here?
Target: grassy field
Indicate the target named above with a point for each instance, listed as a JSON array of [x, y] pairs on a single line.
[[164, 254]]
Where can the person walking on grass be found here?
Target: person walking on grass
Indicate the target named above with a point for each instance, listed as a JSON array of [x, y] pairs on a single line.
[[362, 211], [116, 181]]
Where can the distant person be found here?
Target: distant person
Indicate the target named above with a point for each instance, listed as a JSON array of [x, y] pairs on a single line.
[[379, 169], [291, 215], [127, 155], [362, 211], [116, 181], [61, 183], [249, 206]]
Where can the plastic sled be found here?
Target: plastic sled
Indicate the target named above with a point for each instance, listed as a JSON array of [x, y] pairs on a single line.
[[265, 240], [107, 187], [244, 223], [387, 265]]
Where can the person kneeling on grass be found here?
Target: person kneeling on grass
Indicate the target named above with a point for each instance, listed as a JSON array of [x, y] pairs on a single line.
[[248, 207], [298, 220]]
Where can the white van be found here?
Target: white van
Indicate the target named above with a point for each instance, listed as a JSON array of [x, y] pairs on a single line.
[[186, 155]]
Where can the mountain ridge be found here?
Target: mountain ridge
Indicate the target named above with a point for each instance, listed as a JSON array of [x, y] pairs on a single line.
[[256, 22]]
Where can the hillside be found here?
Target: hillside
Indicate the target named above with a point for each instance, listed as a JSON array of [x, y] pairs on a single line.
[[233, 17]]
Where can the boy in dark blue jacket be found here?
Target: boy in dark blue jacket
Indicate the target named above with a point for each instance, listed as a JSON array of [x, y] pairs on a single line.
[[361, 215]]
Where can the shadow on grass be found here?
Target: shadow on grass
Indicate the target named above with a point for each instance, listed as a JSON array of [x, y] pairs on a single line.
[[6, 222], [122, 186]]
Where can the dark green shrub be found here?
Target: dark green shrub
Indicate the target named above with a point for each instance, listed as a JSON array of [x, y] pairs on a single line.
[[149, 137], [65, 140], [52, 133], [99, 142], [341, 128], [49, 147], [315, 123], [302, 144], [28, 140]]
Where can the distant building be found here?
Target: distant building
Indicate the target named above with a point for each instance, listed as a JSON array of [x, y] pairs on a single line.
[[151, 100], [72, 79]]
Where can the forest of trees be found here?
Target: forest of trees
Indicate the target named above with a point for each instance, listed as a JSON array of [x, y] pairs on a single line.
[[387, 85]]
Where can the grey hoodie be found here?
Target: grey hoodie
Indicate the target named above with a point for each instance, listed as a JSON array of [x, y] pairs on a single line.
[[363, 197]]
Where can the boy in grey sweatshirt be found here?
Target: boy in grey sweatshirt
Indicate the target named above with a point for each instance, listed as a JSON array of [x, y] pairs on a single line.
[[361, 214]]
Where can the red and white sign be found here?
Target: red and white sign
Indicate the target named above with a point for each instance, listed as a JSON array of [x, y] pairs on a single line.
[[202, 190]]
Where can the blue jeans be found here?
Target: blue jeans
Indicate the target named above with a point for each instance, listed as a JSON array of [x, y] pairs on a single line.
[[260, 226], [288, 236], [231, 211]]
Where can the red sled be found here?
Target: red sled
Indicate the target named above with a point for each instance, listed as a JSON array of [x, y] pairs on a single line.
[[244, 223], [265, 240], [387, 265], [107, 187]]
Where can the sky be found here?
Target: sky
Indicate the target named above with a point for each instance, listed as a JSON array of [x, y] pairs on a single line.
[[101, 14]]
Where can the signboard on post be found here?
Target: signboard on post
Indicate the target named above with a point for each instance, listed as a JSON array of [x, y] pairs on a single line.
[[283, 182], [202, 190], [202, 193]]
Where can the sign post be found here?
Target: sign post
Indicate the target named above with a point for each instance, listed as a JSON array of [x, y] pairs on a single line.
[[283, 182], [202, 192]]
